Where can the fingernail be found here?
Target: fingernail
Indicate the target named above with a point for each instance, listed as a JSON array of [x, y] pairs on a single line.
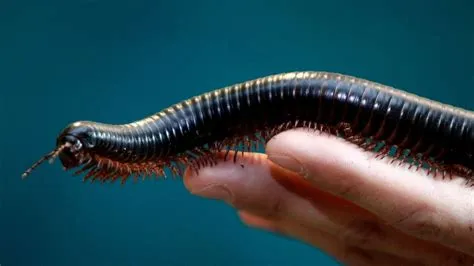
[[215, 191], [286, 162]]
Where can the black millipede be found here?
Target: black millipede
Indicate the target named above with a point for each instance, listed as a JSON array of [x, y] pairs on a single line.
[[409, 128]]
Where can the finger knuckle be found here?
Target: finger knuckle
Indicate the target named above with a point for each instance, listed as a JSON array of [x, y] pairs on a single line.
[[362, 233]]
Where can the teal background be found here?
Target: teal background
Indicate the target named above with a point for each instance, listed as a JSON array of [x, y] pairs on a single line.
[[117, 61]]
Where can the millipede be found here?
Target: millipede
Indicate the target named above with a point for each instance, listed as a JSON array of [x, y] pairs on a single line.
[[387, 121]]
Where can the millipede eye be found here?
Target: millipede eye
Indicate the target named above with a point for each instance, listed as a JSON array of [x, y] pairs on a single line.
[[77, 146]]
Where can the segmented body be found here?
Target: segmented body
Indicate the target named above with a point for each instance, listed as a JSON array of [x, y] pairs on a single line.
[[361, 111]]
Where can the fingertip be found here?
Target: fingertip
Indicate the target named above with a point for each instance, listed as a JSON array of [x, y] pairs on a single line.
[[226, 169], [231, 180]]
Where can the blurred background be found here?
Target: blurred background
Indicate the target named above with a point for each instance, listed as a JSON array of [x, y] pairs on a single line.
[[118, 61]]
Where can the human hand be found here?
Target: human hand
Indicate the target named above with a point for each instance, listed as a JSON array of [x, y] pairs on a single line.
[[336, 197]]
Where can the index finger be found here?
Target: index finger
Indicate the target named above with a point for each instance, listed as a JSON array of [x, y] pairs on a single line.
[[413, 202]]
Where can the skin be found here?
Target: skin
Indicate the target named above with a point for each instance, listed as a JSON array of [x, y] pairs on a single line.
[[332, 195]]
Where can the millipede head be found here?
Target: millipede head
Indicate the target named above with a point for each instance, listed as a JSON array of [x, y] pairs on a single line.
[[70, 146]]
